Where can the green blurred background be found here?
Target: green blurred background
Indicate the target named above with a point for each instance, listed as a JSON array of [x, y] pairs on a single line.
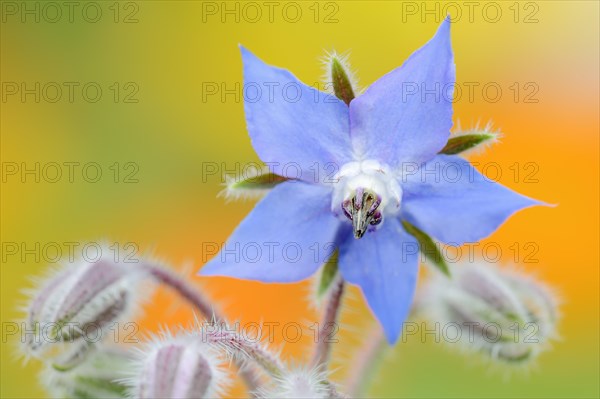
[[154, 122]]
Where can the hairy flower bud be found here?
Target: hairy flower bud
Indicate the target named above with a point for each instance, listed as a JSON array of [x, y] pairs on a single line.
[[177, 367], [501, 313], [300, 383], [99, 376], [78, 304]]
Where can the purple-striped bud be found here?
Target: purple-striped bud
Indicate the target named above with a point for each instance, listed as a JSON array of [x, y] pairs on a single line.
[[504, 314], [178, 367], [77, 305]]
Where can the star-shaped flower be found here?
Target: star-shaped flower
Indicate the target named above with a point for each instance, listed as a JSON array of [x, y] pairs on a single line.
[[361, 169]]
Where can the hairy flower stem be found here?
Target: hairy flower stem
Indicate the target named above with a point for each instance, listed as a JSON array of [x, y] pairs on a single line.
[[365, 363], [242, 349], [238, 346], [195, 298], [323, 349], [185, 290]]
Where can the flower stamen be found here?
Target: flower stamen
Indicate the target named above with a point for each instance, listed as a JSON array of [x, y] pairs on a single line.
[[362, 210], [366, 192]]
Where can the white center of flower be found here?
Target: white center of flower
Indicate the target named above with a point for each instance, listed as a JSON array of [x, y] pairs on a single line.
[[364, 193]]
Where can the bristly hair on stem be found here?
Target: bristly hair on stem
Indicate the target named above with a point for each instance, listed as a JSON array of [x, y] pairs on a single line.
[[241, 349], [202, 304], [330, 318]]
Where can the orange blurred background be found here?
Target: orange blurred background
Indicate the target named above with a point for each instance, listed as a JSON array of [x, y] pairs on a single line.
[[542, 55]]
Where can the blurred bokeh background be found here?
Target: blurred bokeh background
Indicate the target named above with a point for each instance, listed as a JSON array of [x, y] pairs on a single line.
[[152, 90]]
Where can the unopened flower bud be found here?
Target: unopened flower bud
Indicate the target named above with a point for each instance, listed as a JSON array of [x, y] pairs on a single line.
[[78, 304], [99, 376], [300, 383], [501, 313], [178, 367]]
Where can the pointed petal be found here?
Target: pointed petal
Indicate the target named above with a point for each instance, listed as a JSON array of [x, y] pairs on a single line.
[[398, 119], [293, 125], [451, 201], [385, 266], [286, 237]]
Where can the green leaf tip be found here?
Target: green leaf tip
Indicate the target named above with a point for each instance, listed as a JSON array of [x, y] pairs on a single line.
[[340, 78], [253, 185], [264, 180], [464, 142], [428, 247], [330, 269]]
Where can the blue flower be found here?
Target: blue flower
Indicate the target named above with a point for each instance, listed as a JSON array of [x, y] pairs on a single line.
[[359, 170]]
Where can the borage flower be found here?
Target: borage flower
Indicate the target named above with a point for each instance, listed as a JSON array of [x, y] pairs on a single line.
[[384, 147]]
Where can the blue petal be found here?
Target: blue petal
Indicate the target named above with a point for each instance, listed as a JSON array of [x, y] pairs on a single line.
[[451, 201], [390, 124], [286, 237], [385, 266], [292, 125]]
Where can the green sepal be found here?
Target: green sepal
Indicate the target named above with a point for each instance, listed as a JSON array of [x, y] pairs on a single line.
[[252, 186], [342, 86], [464, 142], [427, 247], [265, 180], [328, 273], [95, 384]]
